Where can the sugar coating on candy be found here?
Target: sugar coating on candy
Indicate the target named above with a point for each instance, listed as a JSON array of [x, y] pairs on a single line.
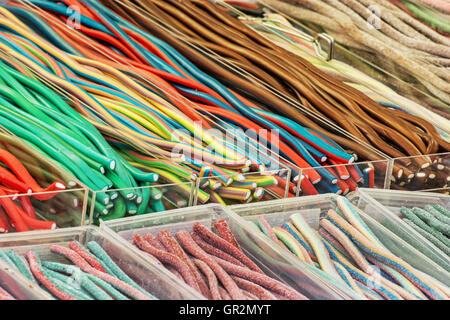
[[261, 279], [107, 287], [212, 279], [104, 257], [154, 242], [5, 295], [253, 288], [36, 270], [217, 241], [249, 295], [174, 247], [224, 294], [215, 251], [169, 258], [388, 258], [225, 233], [80, 262], [190, 246], [75, 246]]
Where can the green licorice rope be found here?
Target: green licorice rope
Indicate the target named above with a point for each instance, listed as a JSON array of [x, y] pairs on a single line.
[[20, 265], [70, 281], [442, 210], [145, 198], [6, 258], [63, 283], [81, 277], [416, 220], [437, 214], [432, 221], [39, 116], [429, 237], [98, 251], [428, 16], [107, 287]]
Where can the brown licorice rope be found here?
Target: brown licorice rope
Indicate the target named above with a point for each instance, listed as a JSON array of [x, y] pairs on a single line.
[[425, 57], [205, 25]]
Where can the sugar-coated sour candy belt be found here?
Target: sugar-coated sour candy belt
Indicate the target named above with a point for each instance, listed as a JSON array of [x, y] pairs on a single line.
[[346, 249], [213, 264], [90, 274]]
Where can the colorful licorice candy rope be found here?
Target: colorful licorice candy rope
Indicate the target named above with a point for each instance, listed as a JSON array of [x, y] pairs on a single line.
[[381, 254], [93, 276], [355, 251], [103, 30], [216, 258]]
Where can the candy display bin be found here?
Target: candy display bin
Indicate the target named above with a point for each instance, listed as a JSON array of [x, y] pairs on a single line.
[[253, 187], [370, 174], [19, 286], [274, 262], [111, 204], [149, 276], [384, 206], [315, 207], [422, 173], [65, 203]]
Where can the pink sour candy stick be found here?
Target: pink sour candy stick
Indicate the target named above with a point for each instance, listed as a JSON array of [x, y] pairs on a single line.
[[211, 238], [225, 233], [250, 296], [261, 279], [212, 279], [86, 267], [86, 255], [5, 295], [224, 293], [169, 258], [155, 242], [34, 267], [253, 288], [174, 247], [215, 251], [190, 246]]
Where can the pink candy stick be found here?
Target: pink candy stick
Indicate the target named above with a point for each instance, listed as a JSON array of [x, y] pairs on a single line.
[[211, 238], [212, 279], [225, 233], [173, 247], [155, 242], [5, 295], [86, 255], [215, 251], [250, 296], [261, 279], [169, 258], [34, 267], [190, 246], [86, 267], [253, 288], [224, 293]]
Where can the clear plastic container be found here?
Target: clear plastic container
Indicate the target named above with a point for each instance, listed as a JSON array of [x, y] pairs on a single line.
[[434, 177], [150, 276], [256, 193], [273, 261], [161, 197], [67, 208], [384, 206], [314, 207], [380, 169], [19, 286]]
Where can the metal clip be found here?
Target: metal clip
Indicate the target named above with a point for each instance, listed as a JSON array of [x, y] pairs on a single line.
[[326, 54]]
